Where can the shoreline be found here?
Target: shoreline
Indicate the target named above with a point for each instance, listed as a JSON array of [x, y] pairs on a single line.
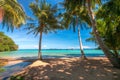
[[67, 69], [95, 68], [12, 61], [26, 58]]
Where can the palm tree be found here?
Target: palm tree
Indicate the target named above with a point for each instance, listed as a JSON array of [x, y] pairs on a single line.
[[12, 14], [76, 18], [89, 6], [109, 33], [46, 20], [111, 21], [80, 44], [115, 61]]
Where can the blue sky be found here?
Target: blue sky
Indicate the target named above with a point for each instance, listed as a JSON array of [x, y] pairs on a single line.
[[63, 39]]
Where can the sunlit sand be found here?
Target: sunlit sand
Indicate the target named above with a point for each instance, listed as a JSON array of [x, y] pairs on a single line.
[[97, 68]]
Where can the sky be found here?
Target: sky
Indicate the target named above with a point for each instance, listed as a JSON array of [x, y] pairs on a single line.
[[63, 39]]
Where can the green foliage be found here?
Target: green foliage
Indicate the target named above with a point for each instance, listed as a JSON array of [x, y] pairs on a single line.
[[75, 14], [108, 25], [17, 78], [108, 20], [46, 19], [2, 63], [2, 70], [6, 43], [45, 16], [13, 14]]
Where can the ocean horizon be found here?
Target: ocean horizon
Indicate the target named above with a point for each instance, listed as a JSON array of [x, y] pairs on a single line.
[[51, 53]]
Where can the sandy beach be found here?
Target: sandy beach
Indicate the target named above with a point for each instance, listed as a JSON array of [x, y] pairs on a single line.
[[95, 68], [48, 39], [12, 66]]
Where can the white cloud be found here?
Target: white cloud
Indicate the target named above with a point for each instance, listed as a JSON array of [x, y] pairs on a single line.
[[35, 46], [44, 46], [71, 47], [21, 39], [28, 46], [77, 47], [25, 39], [31, 46], [87, 47]]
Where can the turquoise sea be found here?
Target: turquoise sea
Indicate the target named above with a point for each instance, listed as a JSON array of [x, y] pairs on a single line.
[[50, 53]]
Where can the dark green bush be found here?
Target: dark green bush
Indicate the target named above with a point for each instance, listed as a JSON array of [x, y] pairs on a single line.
[[16, 78], [6, 43]]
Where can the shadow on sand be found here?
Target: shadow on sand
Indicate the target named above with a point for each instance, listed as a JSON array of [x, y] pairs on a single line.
[[68, 69], [13, 68]]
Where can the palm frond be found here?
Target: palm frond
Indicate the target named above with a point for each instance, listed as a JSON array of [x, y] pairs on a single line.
[[45, 14], [14, 15]]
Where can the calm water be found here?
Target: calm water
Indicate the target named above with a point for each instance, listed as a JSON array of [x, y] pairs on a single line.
[[32, 53]]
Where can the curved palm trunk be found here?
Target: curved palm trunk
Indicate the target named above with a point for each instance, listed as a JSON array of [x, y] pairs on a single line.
[[81, 47], [112, 58], [39, 51]]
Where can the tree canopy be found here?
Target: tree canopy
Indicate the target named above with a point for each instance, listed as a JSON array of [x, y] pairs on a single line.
[[6, 43], [108, 25], [46, 19], [11, 14]]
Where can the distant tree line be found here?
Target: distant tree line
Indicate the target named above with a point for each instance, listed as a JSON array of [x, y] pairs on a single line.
[[6, 43]]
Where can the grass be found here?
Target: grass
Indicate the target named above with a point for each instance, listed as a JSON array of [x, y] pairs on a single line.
[[2, 69], [16, 78], [3, 62]]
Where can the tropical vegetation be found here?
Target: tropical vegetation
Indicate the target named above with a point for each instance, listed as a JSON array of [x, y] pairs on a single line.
[[108, 19], [111, 28], [46, 20], [104, 22], [6, 43], [89, 6], [11, 14], [2, 63], [75, 18]]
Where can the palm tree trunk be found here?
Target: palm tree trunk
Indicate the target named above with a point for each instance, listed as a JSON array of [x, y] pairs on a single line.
[[112, 58], [81, 47], [116, 53], [39, 52]]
